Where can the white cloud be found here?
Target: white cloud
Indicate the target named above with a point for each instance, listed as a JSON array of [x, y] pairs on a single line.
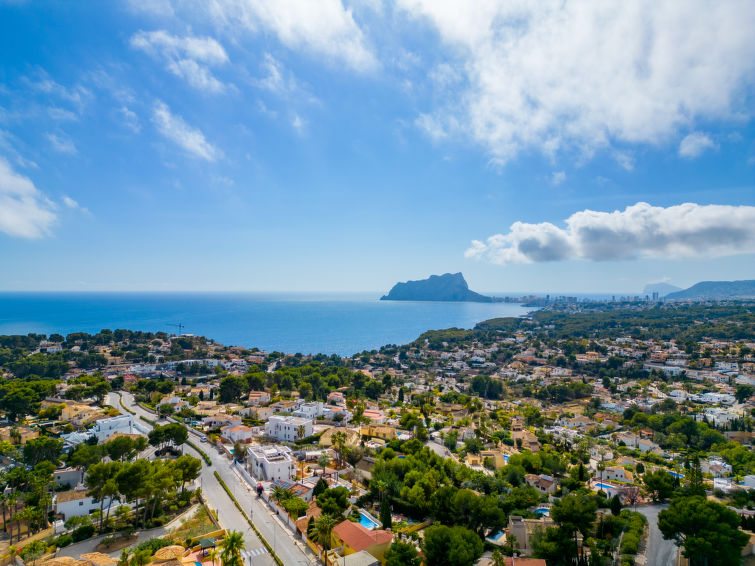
[[640, 230], [70, 203], [62, 143], [179, 132], [61, 114], [557, 178], [323, 28], [186, 57], [431, 126], [582, 76], [130, 119], [77, 95], [274, 79], [695, 144], [24, 211], [298, 124]]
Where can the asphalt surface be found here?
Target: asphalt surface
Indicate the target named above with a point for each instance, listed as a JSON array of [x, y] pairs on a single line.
[[660, 552], [290, 551]]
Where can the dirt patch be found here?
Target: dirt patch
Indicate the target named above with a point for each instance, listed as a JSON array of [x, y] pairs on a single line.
[[117, 544]]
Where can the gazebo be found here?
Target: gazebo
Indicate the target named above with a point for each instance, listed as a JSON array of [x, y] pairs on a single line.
[[206, 543]]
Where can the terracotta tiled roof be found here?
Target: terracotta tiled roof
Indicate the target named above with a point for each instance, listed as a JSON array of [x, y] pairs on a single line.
[[360, 538]]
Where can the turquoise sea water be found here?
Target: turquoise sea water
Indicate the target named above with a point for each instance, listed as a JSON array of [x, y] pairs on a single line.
[[341, 323]]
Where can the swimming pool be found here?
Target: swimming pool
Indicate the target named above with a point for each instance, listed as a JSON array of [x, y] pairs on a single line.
[[604, 486], [542, 511], [367, 520], [496, 537]]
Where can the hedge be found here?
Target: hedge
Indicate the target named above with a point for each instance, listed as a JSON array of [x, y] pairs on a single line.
[[124, 407], [205, 457]]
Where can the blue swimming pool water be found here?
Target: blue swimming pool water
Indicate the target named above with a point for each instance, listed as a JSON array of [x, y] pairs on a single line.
[[367, 522], [542, 511], [604, 486]]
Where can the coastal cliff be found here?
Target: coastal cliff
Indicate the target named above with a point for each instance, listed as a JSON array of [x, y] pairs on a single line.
[[449, 287]]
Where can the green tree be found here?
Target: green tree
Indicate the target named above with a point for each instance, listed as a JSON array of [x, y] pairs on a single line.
[[744, 392], [451, 546], [33, 551], [231, 548], [707, 531], [232, 388], [385, 514], [187, 469], [615, 505], [40, 449], [402, 554], [334, 501], [322, 527], [574, 514], [658, 484]]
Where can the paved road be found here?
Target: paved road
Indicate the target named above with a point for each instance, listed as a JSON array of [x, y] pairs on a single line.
[[290, 551], [439, 449], [661, 552]]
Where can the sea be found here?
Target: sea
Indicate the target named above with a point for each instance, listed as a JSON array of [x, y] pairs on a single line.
[[310, 323]]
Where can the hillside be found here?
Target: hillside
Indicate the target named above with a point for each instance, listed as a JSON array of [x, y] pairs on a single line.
[[716, 290], [450, 287]]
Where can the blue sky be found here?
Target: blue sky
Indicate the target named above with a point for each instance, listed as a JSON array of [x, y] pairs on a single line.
[[289, 145]]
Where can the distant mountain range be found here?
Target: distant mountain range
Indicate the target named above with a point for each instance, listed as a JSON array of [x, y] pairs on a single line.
[[716, 290], [662, 289], [450, 287]]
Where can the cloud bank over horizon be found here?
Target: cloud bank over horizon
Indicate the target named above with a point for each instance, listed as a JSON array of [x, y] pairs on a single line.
[[640, 231]]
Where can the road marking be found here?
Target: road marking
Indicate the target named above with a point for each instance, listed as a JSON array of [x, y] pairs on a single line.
[[256, 552]]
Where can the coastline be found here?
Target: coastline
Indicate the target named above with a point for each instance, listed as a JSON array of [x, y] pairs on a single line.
[[327, 323]]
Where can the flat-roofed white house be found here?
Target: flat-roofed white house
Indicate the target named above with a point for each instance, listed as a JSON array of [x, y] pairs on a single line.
[[287, 428], [270, 463], [122, 424]]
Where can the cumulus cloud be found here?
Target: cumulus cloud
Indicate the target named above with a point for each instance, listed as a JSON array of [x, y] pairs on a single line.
[[695, 144], [189, 58], [62, 143], [584, 76], [24, 211], [179, 132], [324, 28], [639, 231]]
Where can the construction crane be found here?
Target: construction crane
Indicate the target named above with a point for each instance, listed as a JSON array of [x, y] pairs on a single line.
[[180, 327]]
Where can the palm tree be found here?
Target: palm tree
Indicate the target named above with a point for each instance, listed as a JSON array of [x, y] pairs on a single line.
[[300, 431], [281, 494], [339, 443], [323, 525], [213, 555], [232, 545]]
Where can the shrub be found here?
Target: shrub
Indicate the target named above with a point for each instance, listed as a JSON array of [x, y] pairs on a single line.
[[63, 540], [82, 533], [630, 543]]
